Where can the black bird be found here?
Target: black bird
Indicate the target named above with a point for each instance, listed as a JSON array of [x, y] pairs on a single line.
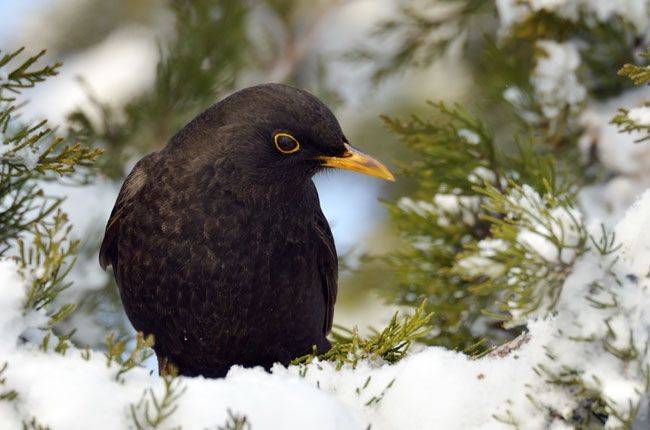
[[218, 242]]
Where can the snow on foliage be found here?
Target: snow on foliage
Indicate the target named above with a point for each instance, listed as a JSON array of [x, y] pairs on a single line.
[[636, 12], [555, 80], [594, 341], [619, 153], [640, 115]]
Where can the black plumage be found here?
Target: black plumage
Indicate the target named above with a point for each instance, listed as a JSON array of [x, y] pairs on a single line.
[[218, 243]]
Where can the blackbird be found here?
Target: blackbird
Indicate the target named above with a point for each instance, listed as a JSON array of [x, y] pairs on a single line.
[[218, 243]]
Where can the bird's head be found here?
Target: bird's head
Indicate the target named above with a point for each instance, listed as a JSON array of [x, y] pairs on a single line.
[[276, 132]]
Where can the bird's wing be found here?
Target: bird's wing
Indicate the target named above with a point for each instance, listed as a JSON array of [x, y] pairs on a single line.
[[328, 267], [130, 188]]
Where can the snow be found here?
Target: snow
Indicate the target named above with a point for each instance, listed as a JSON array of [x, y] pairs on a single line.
[[115, 70], [627, 161], [10, 303], [636, 12], [616, 151], [469, 136], [483, 263], [511, 12], [482, 174], [555, 240], [640, 115], [442, 207], [555, 80], [430, 388], [27, 156]]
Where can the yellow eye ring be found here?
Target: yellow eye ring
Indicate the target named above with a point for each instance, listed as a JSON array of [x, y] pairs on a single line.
[[286, 143]]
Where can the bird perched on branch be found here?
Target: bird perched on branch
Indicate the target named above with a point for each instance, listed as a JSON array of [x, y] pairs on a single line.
[[218, 242]]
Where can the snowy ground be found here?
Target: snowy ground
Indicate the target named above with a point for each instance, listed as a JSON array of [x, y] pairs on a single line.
[[433, 388]]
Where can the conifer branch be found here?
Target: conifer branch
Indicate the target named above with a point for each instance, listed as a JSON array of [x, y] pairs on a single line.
[[33, 424], [235, 421], [6, 395], [638, 74], [152, 411], [390, 345], [116, 352]]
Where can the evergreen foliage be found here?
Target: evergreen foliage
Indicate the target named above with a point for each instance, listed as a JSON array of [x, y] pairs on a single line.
[[32, 227], [6, 394], [29, 152], [153, 410], [116, 350], [624, 120], [390, 345], [466, 172], [190, 75], [477, 188], [235, 422], [493, 230]]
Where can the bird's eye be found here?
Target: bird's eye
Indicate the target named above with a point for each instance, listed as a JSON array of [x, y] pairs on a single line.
[[286, 143]]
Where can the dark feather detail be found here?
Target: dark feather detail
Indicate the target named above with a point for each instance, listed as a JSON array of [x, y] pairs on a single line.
[[328, 267], [130, 188]]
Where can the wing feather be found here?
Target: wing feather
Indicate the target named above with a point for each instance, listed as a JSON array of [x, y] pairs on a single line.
[[328, 267], [130, 188]]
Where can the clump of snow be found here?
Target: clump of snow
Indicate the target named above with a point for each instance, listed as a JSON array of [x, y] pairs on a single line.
[[442, 207], [556, 87], [454, 204], [511, 12], [640, 115], [482, 262], [557, 239], [469, 136], [618, 153], [419, 207], [516, 97], [608, 202], [27, 156], [554, 78], [482, 174], [11, 301]]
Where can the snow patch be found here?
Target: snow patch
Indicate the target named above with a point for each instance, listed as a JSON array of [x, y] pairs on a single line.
[[428, 389], [555, 80], [640, 115], [469, 136]]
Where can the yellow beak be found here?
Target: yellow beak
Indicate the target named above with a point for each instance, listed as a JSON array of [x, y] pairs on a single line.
[[353, 159]]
